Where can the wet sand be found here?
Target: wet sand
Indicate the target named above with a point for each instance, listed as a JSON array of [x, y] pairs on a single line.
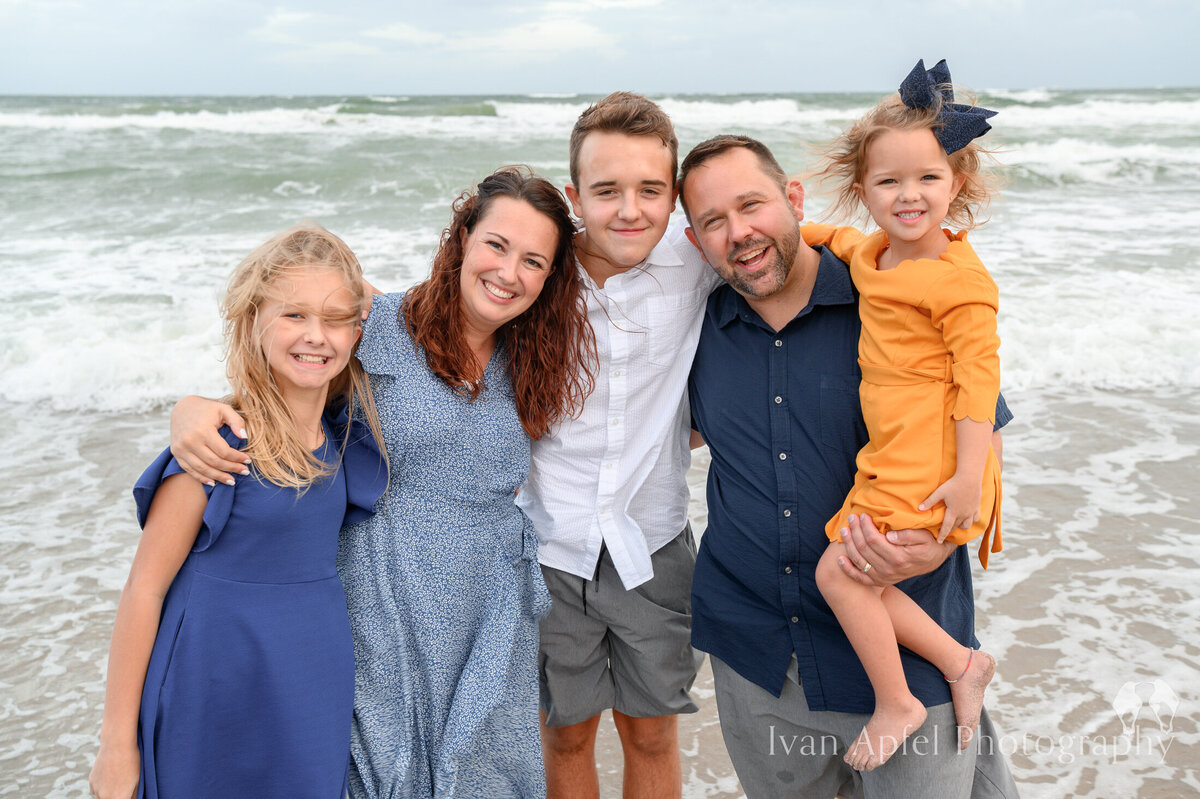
[[1097, 592]]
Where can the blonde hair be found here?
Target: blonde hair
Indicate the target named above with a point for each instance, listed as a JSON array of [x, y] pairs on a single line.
[[277, 449], [844, 161]]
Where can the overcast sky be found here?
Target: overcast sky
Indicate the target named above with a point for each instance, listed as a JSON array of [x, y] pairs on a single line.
[[588, 46]]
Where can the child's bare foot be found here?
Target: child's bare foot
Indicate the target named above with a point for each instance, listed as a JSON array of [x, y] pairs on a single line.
[[884, 733], [967, 693]]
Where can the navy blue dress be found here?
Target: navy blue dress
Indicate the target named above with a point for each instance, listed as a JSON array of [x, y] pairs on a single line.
[[250, 685]]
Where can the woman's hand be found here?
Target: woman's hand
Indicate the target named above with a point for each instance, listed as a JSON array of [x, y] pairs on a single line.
[[962, 497], [199, 447], [116, 772]]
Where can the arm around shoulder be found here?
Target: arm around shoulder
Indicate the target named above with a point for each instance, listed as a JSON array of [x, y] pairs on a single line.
[[198, 445]]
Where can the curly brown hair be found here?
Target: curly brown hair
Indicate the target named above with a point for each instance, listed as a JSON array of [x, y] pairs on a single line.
[[551, 349], [844, 161]]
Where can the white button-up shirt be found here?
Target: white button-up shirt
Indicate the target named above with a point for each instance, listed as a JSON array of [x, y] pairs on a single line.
[[617, 474]]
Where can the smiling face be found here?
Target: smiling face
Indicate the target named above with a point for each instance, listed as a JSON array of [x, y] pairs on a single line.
[[625, 196], [506, 260], [744, 222], [907, 186], [309, 328]]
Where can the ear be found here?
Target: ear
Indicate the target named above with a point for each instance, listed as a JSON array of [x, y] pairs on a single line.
[[462, 238], [674, 197], [691, 236], [956, 186], [860, 192], [573, 196], [795, 194]]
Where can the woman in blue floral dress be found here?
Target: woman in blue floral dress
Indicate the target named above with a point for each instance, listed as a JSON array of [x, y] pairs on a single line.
[[443, 585]]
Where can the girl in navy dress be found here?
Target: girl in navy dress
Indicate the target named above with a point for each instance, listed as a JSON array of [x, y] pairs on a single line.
[[231, 671]]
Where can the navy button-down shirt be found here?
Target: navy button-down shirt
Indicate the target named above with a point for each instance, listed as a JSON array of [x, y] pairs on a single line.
[[781, 416]]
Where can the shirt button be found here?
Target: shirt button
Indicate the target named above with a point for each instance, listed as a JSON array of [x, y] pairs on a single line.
[[787, 513], [795, 619], [778, 343], [787, 569], [783, 456], [616, 422], [616, 372], [778, 400]]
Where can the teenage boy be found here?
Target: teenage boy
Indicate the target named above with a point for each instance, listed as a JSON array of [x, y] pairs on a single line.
[[607, 491], [774, 392]]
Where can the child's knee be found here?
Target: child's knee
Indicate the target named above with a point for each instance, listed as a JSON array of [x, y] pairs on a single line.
[[829, 573]]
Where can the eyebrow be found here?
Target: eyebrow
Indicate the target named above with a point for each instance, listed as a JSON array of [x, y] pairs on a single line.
[[704, 216], [602, 184], [507, 243]]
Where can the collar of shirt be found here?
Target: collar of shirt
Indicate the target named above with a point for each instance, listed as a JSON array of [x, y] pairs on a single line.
[[832, 287]]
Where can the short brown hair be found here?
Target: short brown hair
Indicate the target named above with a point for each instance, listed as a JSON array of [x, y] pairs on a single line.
[[628, 113], [711, 148]]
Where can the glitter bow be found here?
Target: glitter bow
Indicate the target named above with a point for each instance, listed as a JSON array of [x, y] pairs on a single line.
[[959, 123]]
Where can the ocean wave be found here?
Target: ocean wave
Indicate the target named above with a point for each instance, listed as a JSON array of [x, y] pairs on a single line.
[[1107, 113], [1070, 160], [1026, 96]]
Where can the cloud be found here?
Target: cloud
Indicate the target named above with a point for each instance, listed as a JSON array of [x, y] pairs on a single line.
[[405, 33], [284, 27], [547, 36]]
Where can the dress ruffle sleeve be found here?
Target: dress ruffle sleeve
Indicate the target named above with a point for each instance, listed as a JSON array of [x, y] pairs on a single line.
[[377, 350], [963, 307], [841, 241], [220, 496], [365, 469]]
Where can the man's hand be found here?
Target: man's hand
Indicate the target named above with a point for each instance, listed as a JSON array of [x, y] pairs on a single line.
[[897, 556], [199, 447]]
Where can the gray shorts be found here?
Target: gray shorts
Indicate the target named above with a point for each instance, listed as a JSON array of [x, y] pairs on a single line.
[[780, 748], [603, 646]]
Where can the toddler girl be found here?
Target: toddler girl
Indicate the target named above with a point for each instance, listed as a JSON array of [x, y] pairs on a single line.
[[930, 378]]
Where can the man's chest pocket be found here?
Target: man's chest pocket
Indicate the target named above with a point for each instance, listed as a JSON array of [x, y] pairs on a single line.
[[668, 322], [842, 425]]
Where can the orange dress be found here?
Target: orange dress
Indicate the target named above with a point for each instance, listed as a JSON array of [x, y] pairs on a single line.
[[929, 356]]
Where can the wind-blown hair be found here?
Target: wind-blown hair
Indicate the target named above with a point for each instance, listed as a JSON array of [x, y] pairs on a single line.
[[551, 349], [277, 449], [844, 162]]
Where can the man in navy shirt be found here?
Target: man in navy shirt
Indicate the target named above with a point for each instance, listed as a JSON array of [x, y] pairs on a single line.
[[774, 393]]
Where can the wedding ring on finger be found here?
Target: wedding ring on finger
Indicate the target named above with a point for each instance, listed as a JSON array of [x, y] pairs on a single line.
[[866, 567]]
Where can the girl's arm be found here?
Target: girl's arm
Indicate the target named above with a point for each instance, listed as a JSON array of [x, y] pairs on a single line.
[[963, 307], [174, 519], [963, 492], [841, 241]]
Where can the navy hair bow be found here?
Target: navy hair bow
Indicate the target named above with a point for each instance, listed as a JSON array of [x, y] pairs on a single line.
[[959, 123]]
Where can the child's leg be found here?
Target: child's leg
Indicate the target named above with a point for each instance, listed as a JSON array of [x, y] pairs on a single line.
[[968, 672], [865, 621]]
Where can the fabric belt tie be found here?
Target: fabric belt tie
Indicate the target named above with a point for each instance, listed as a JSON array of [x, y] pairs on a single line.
[[887, 375]]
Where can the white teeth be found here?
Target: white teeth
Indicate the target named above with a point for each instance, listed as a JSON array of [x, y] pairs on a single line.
[[499, 292], [750, 256], [309, 358], [909, 214]]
